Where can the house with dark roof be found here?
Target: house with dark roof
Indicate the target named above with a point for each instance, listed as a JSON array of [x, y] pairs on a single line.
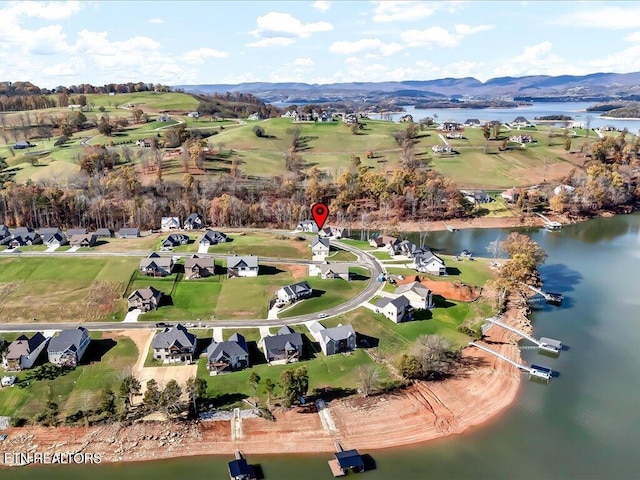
[[174, 240], [85, 240], [511, 194], [156, 265], [419, 296], [309, 226], [169, 223], [104, 233], [521, 122], [76, 231], [67, 348], [384, 241], [335, 270], [212, 237], [395, 309], [22, 144], [129, 232], [174, 345], [333, 340], [23, 352], [450, 126], [294, 292], [4, 233], [332, 232], [55, 239], [472, 122], [198, 266], [145, 299], [24, 236], [193, 222], [320, 248], [284, 347], [227, 356], [429, 262], [242, 266]]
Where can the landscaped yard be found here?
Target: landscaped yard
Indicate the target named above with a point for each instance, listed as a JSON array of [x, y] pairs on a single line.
[[107, 360], [469, 272], [264, 245]]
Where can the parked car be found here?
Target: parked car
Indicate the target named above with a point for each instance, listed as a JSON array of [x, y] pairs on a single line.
[[161, 325], [323, 315]]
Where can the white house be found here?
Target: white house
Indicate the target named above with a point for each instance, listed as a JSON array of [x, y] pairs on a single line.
[[419, 296], [430, 263], [395, 309], [169, 223], [296, 291], [307, 226], [242, 266], [320, 248], [23, 352], [68, 347], [333, 340]]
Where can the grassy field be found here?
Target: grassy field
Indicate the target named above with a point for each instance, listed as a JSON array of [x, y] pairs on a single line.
[[52, 289], [107, 360], [469, 272], [264, 245]]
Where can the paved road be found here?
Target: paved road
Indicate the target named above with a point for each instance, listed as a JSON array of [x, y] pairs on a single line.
[[364, 260]]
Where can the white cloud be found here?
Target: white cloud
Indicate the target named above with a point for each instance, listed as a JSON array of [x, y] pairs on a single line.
[[463, 68], [623, 61], [281, 29], [365, 45], [463, 29], [430, 37], [199, 55], [45, 10], [406, 11], [536, 60], [586, 15], [155, 20], [633, 37], [303, 62], [321, 5]]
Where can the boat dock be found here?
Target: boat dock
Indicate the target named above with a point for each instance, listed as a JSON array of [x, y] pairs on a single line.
[[550, 297], [345, 460], [449, 227], [239, 469], [550, 224], [546, 344], [536, 371]]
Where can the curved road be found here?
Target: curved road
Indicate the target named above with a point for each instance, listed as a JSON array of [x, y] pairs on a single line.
[[364, 260]]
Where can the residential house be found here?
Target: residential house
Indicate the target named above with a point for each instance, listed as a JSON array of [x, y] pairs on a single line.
[[563, 188], [86, 240], [333, 340], [156, 265], [145, 299], [307, 226], [419, 296], [294, 292], [325, 118], [520, 122], [284, 347], [24, 236], [332, 232], [143, 143], [193, 114], [254, 116], [67, 348], [199, 267], [76, 231], [4, 234], [476, 197], [174, 240], [320, 248], [472, 122], [335, 270], [454, 135], [129, 232], [174, 345], [384, 241], [511, 195], [193, 222], [442, 149], [303, 117], [430, 263], [242, 266], [22, 144], [525, 138], [23, 352], [56, 239], [450, 126], [212, 237], [406, 118], [164, 117], [395, 309], [104, 233], [227, 356], [169, 223]]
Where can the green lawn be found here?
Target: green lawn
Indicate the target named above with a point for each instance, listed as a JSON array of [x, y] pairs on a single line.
[[469, 272], [265, 245], [361, 244], [105, 363]]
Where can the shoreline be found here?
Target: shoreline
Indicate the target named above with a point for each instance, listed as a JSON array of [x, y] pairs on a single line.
[[480, 390]]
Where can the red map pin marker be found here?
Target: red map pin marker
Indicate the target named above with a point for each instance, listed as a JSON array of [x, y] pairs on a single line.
[[320, 213]]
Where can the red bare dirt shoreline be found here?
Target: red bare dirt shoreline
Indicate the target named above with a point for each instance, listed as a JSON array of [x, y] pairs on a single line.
[[481, 389]]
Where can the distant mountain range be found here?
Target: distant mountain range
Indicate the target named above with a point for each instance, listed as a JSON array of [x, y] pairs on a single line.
[[593, 87]]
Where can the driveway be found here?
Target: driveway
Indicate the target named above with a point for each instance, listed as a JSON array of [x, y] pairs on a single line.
[[132, 316], [203, 249], [74, 249], [52, 248]]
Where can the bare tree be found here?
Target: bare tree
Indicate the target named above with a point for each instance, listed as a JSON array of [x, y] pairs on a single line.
[[368, 379]]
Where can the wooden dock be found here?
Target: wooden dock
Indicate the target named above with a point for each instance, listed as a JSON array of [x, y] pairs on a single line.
[[335, 468], [545, 343], [535, 371]]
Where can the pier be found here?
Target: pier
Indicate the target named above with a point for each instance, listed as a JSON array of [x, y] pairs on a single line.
[[550, 297], [536, 371], [449, 227], [550, 224], [345, 460], [546, 344]]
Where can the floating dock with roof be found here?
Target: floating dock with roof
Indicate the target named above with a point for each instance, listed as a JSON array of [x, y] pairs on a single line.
[[346, 460], [239, 469], [534, 371], [547, 344]]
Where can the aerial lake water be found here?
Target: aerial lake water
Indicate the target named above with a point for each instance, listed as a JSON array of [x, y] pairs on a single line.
[[583, 425]]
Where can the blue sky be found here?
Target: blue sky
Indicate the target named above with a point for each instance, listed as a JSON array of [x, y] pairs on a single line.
[[171, 42]]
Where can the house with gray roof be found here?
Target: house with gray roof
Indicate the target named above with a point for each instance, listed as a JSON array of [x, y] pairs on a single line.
[[4, 233], [335, 270], [84, 240], [129, 233], [419, 296], [242, 266], [333, 340], [309, 226], [23, 352], [169, 223], [174, 240], [55, 239], [212, 237], [76, 231], [157, 266], [320, 248], [67, 348], [193, 222], [429, 262], [198, 266], [24, 236], [145, 299], [174, 345], [384, 241], [395, 309], [104, 233], [294, 292], [227, 356], [284, 347], [332, 232]]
